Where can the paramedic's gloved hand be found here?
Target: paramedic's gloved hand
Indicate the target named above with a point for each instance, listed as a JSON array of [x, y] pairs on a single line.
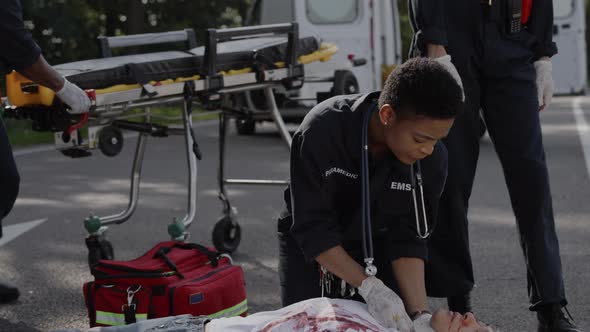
[[445, 60], [74, 97], [384, 305], [544, 70], [422, 323]]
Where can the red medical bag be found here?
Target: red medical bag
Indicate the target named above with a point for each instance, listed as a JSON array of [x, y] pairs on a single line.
[[172, 278]]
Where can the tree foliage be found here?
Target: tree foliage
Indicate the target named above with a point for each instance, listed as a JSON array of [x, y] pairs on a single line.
[[67, 30]]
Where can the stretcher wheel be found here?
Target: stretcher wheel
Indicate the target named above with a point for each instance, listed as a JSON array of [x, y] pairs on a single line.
[[245, 126], [98, 248], [345, 83], [110, 141], [227, 234]]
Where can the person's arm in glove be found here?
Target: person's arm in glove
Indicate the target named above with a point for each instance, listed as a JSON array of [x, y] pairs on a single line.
[[383, 304], [544, 70], [422, 323], [43, 74], [439, 54]]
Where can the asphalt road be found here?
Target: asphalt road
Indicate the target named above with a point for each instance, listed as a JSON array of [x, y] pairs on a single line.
[[49, 261]]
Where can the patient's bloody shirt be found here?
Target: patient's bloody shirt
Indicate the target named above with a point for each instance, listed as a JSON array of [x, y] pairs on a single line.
[[321, 314]]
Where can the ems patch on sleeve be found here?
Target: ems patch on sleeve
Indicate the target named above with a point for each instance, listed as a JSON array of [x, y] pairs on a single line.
[[196, 298]]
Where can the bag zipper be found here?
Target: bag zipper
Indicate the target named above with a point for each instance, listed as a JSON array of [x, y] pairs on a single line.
[[125, 268], [105, 276]]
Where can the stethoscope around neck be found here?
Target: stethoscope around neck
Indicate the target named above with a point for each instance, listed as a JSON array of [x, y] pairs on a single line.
[[422, 229]]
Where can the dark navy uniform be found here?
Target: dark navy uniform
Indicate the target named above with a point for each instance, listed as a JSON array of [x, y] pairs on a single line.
[[323, 202], [19, 51], [498, 76]]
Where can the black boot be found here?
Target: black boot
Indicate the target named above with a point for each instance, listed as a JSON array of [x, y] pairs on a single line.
[[552, 319], [8, 292], [460, 303]]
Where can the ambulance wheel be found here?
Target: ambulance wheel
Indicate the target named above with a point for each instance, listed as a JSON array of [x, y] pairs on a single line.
[[227, 235], [245, 126], [110, 141], [345, 83]]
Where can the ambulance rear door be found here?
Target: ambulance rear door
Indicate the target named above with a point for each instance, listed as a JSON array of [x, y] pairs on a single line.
[[569, 65]]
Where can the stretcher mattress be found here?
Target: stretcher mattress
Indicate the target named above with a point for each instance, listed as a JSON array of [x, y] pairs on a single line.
[[142, 68]]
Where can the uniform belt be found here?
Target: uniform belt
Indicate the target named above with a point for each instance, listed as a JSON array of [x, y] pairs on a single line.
[[507, 13]]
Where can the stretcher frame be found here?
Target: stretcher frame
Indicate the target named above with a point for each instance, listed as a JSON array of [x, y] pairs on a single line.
[[208, 90]]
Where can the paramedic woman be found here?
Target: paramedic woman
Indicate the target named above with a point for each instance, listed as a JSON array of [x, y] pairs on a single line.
[[21, 53], [320, 228]]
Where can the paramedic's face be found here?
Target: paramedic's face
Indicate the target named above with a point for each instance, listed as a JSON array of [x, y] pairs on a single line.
[[413, 138], [447, 321]]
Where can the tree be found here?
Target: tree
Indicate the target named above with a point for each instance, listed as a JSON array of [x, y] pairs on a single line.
[[67, 30]]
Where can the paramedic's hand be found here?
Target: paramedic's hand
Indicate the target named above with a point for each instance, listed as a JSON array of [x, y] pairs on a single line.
[[422, 324], [384, 305], [74, 97], [544, 69], [445, 60]]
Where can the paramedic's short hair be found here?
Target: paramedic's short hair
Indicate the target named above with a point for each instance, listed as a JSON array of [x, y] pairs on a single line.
[[422, 87]]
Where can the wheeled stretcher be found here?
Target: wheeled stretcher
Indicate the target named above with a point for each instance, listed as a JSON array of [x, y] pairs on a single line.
[[232, 61]]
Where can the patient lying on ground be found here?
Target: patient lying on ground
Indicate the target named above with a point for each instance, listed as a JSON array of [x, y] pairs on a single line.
[[320, 314], [323, 314]]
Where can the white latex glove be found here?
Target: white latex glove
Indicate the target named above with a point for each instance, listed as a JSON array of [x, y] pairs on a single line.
[[74, 97], [445, 60], [422, 323], [544, 70], [384, 305]]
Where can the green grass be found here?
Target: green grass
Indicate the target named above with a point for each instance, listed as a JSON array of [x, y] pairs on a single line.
[[20, 133]]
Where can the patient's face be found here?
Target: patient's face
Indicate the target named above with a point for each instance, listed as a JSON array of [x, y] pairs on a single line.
[[447, 321]]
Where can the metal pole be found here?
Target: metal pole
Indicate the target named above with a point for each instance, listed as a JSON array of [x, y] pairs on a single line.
[[134, 190], [276, 115], [190, 155]]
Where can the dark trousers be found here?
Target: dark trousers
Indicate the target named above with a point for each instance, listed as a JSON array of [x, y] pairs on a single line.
[[300, 280], [9, 178], [499, 78]]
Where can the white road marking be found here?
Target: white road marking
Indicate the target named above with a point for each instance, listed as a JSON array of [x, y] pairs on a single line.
[[583, 129], [11, 232]]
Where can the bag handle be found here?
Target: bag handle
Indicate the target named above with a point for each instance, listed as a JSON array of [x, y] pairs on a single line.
[[213, 256], [163, 251]]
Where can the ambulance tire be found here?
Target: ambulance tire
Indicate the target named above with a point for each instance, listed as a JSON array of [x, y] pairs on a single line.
[[245, 126], [227, 234], [345, 83]]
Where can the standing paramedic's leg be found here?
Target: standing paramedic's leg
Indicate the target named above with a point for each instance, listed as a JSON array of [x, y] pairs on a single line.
[[449, 272], [511, 111], [9, 182]]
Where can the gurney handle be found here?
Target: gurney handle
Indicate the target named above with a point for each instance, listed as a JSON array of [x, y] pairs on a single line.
[[216, 35]]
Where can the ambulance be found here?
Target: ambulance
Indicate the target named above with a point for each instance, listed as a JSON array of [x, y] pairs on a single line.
[[368, 35]]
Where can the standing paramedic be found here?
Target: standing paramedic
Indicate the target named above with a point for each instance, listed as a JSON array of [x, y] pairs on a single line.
[[501, 50], [320, 230], [21, 53]]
